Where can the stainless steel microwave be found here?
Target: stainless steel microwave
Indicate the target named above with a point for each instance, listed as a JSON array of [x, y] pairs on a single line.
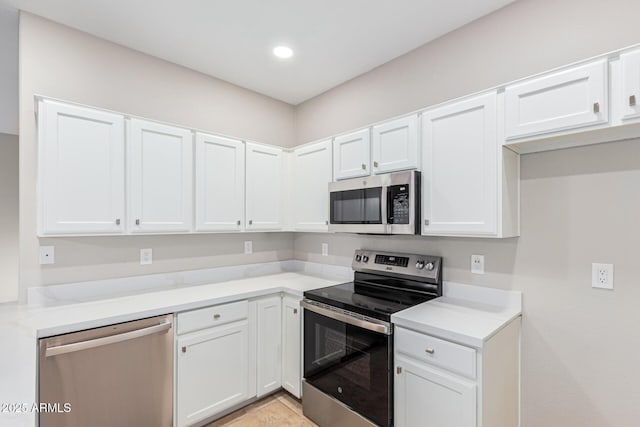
[[379, 204]]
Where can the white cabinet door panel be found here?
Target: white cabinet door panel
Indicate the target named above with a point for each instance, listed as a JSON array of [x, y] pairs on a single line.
[[428, 395], [81, 170], [212, 371], [460, 168], [265, 187], [160, 178], [269, 344], [352, 155], [311, 178], [219, 183], [291, 345], [563, 100], [395, 145], [630, 68]]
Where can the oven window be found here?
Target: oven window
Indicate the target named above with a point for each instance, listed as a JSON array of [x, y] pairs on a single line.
[[351, 364], [362, 206]]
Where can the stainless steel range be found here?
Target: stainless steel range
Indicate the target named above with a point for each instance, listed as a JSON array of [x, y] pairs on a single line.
[[348, 337]]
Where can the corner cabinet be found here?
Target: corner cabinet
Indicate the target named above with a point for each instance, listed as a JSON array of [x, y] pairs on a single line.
[[470, 183], [219, 183], [310, 186], [265, 196], [395, 145], [352, 155], [160, 178], [81, 170]]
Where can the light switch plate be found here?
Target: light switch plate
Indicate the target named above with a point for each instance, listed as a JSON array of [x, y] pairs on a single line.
[[248, 247], [47, 255], [477, 264], [325, 249], [146, 256]]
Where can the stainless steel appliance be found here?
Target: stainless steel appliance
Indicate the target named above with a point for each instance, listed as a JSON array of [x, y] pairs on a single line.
[[348, 337], [118, 375], [378, 204]]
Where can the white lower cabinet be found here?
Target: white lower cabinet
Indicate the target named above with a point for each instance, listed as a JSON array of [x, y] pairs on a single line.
[[269, 324], [292, 345], [212, 364], [445, 384]]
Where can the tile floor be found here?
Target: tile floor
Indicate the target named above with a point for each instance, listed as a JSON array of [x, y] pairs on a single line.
[[277, 410]]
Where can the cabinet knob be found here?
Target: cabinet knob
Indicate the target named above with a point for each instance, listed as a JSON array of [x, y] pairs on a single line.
[[596, 107], [326, 222], [295, 311], [184, 349], [632, 101], [364, 167], [399, 369], [216, 316], [118, 221], [426, 222], [250, 222], [238, 222], [429, 350], [375, 164], [137, 222]]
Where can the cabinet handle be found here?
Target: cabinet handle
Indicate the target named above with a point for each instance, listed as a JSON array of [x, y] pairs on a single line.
[[184, 349], [375, 164], [596, 107], [238, 222], [399, 369], [326, 222], [429, 350], [295, 311], [216, 316], [364, 167], [632, 101], [118, 221], [250, 222], [137, 222], [426, 222]]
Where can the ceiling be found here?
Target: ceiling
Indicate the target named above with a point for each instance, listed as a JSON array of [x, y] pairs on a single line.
[[333, 40]]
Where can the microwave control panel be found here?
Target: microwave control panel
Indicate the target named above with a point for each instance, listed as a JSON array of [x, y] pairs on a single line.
[[399, 204]]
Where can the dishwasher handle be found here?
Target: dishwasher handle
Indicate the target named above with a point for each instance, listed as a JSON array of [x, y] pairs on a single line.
[[99, 342]]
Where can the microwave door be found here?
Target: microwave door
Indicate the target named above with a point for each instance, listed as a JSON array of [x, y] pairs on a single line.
[[360, 210]]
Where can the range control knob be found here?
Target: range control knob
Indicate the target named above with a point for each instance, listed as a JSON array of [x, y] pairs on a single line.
[[358, 258], [429, 266], [365, 258], [420, 264]]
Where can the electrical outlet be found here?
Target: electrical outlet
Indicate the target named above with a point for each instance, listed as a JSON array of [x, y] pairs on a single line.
[[146, 256], [602, 276], [325, 249], [248, 247], [47, 255], [477, 264]]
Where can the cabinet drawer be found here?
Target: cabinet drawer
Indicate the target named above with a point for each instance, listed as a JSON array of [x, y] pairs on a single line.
[[212, 316], [453, 357]]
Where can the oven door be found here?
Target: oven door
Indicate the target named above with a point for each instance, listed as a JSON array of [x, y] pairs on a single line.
[[351, 363], [358, 205]]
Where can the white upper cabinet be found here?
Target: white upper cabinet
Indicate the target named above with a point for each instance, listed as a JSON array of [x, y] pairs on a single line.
[[462, 164], [160, 180], [561, 101], [395, 145], [265, 187], [219, 183], [310, 186], [630, 85], [81, 170], [352, 155]]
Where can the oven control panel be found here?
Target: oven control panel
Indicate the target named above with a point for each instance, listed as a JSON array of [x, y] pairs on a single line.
[[424, 266]]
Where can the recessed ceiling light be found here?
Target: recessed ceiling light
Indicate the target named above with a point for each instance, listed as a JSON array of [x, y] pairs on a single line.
[[283, 52]]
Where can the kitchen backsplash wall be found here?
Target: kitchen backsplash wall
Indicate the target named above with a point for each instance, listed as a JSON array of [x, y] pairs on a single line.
[[8, 217], [60, 62]]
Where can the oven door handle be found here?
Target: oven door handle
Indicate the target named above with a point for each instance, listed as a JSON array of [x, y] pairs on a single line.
[[371, 325]]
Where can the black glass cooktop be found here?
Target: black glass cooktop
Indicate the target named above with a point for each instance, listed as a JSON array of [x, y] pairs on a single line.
[[376, 301]]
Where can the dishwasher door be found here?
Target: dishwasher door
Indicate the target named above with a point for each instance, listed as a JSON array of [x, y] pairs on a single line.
[[119, 375]]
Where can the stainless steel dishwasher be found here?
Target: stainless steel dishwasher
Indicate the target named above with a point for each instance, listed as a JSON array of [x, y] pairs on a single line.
[[119, 375]]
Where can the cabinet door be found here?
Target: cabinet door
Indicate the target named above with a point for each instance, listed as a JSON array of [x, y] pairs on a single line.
[[460, 168], [219, 183], [265, 187], [160, 178], [291, 345], [395, 145], [630, 68], [81, 170], [311, 178], [426, 395], [564, 100], [269, 320], [352, 155], [211, 372]]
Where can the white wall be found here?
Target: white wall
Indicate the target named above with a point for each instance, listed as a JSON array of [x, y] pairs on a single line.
[[8, 217], [64, 63], [580, 345], [8, 70]]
